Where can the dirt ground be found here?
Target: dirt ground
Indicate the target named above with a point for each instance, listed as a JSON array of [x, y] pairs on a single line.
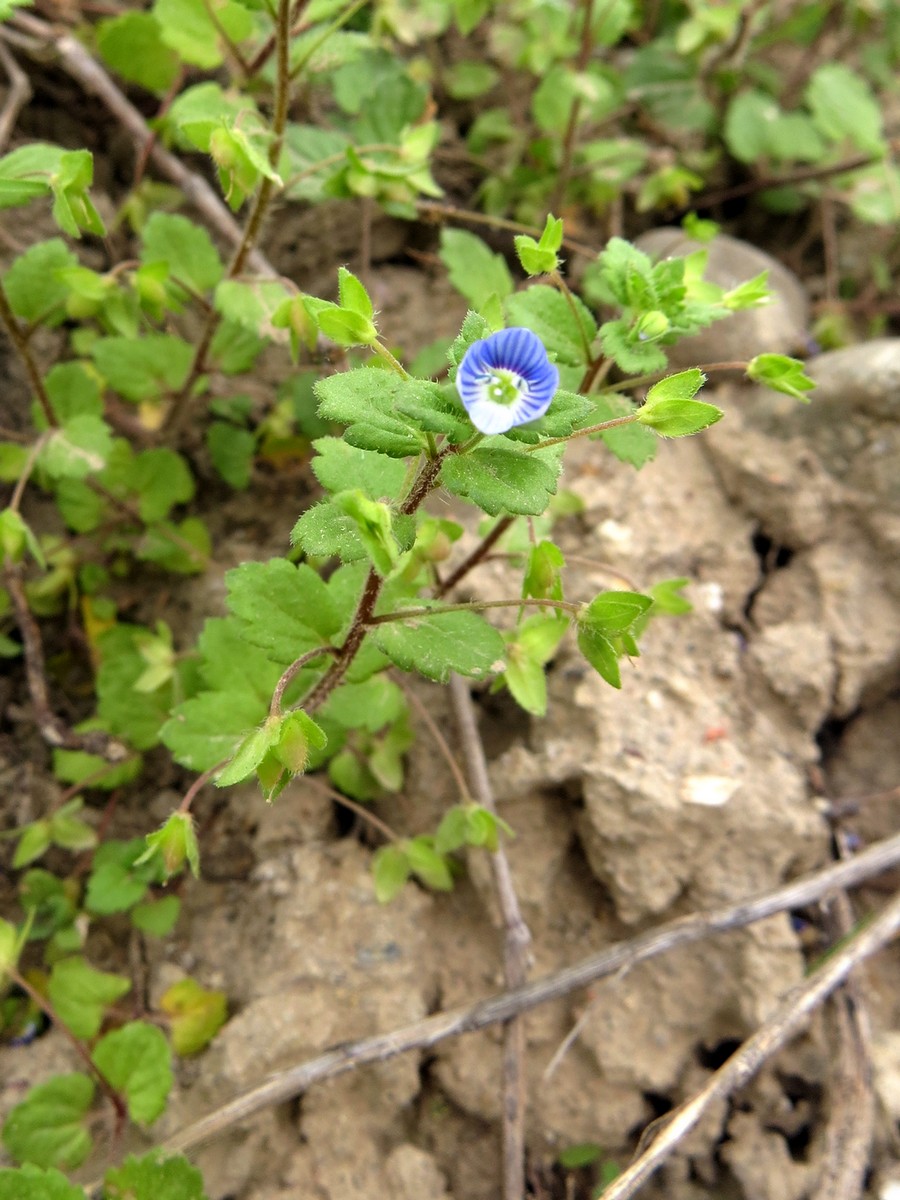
[[744, 731]]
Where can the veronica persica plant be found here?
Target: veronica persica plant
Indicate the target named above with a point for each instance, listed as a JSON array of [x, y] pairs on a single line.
[[505, 380]]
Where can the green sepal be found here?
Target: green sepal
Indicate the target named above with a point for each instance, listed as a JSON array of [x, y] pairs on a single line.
[[175, 844], [374, 526], [781, 374]]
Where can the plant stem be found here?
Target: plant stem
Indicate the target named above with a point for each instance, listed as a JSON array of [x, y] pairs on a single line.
[[292, 671], [628, 419], [13, 329], [475, 606], [81, 1050], [563, 287], [565, 166], [478, 555]]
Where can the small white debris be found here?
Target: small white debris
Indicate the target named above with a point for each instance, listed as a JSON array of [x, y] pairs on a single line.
[[655, 700], [711, 595], [613, 531], [890, 1190], [712, 791]]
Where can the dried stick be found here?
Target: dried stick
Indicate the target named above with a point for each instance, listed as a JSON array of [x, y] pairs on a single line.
[[286, 1085], [52, 729], [18, 97], [516, 940], [87, 72], [767, 1041], [851, 1123]]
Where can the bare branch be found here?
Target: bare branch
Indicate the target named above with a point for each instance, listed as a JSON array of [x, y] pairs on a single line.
[[52, 729], [767, 1041], [516, 940], [18, 97], [287, 1084]]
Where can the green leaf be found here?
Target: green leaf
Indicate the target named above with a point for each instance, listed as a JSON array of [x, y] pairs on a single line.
[[132, 45], [542, 572], [33, 284], [475, 270], [232, 451], [338, 464], [79, 448], [47, 1128], [502, 480], [582, 1155], [196, 1015], [365, 401], [44, 898], [80, 994], [73, 391], [184, 547], [9, 944], [526, 680], [144, 368], [202, 109], [185, 248], [122, 706], [390, 871], [34, 1183], [324, 531], [284, 608], [430, 866], [157, 917], [195, 30], [747, 122], [34, 841], [781, 374], [119, 876], [147, 1178], [135, 1060], [452, 833], [565, 333], [600, 653], [613, 613], [67, 831], [844, 107], [204, 730], [440, 643], [369, 705]]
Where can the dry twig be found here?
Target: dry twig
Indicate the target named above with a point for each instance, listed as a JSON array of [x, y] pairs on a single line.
[[516, 940], [784, 1022], [18, 97], [286, 1085], [851, 1124], [52, 729], [75, 60]]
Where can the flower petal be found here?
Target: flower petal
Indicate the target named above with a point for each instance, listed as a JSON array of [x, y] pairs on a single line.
[[520, 356]]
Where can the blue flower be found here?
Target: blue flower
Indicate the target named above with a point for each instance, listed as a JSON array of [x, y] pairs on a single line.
[[505, 380]]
